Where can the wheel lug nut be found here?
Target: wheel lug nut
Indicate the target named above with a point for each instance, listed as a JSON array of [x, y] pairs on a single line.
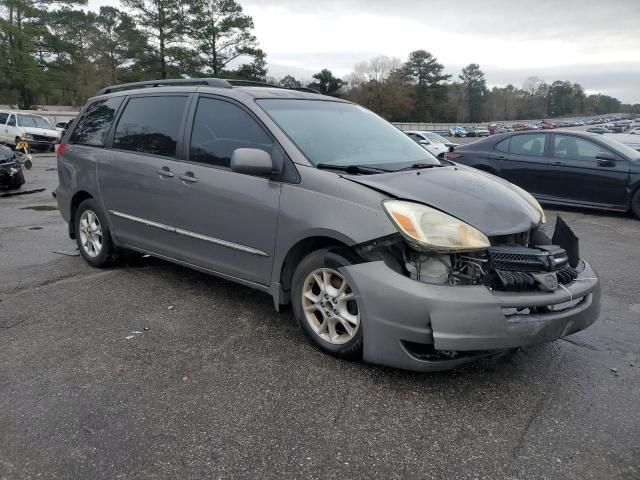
[[326, 296], [335, 301], [335, 312]]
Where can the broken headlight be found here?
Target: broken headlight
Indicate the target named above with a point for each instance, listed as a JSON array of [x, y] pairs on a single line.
[[431, 230]]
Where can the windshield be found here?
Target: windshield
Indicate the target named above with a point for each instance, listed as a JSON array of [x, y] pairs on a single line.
[[435, 138], [621, 147], [344, 134], [34, 121]]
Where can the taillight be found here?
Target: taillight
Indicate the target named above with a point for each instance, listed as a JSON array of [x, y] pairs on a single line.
[[453, 155], [59, 152]]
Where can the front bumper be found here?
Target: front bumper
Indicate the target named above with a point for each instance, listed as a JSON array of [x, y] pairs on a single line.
[[471, 319], [42, 144]]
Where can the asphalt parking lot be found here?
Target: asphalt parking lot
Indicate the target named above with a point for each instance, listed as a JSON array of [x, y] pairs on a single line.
[[154, 371]]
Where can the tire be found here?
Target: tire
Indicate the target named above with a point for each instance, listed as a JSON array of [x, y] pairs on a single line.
[[93, 236], [18, 182], [635, 203], [317, 322]]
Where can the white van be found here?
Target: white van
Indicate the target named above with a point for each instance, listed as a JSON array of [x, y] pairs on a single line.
[[36, 129]]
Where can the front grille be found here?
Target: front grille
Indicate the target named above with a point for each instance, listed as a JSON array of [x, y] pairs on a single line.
[[545, 258], [516, 268], [43, 138]]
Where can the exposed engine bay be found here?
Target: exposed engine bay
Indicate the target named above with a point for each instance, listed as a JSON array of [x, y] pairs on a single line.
[[521, 262]]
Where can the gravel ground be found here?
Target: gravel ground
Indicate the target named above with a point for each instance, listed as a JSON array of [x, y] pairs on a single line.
[[155, 371]]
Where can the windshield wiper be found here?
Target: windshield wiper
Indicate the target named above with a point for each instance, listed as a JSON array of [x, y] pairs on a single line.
[[351, 168], [417, 166]]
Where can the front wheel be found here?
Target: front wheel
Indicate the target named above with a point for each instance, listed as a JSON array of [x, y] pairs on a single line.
[[326, 308]]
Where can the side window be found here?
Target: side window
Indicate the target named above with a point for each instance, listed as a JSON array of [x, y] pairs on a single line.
[[532, 145], [12, 121], [503, 146], [3, 118], [150, 125], [220, 127], [93, 126], [573, 148]]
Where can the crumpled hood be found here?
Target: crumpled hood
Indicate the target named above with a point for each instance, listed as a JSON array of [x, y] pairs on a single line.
[[486, 202]]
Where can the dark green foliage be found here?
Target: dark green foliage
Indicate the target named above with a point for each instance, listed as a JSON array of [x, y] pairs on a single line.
[[475, 91], [326, 83], [429, 92]]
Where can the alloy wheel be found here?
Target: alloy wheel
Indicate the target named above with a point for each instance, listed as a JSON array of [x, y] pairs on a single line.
[[90, 233], [330, 307]]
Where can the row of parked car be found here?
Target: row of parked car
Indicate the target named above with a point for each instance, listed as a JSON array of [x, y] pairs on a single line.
[[601, 125]]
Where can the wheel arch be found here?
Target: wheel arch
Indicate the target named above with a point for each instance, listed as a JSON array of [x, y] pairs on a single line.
[[294, 255], [76, 200]]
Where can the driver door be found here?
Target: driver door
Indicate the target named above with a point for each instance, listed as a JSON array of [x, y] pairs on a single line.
[[227, 220]]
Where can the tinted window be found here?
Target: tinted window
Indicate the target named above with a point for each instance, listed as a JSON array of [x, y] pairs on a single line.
[[219, 128], [93, 126], [573, 148], [503, 146], [3, 118], [150, 125], [12, 121], [528, 144]]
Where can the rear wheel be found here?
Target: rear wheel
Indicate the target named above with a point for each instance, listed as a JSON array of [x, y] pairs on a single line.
[[326, 308], [93, 236], [635, 203]]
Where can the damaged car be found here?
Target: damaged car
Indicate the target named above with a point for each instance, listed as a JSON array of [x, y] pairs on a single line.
[[383, 251]]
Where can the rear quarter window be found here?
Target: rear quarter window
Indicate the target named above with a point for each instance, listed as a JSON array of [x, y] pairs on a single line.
[[150, 125], [503, 146], [94, 124]]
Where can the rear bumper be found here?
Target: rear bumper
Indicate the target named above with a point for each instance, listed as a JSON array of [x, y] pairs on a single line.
[[472, 319]]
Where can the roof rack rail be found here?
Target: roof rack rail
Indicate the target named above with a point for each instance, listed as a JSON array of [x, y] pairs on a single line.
[[211, 82], [253, 83], [249, 83], [306, 89]]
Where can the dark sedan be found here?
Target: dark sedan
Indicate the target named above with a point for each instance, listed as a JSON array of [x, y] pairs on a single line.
[[565, 168]]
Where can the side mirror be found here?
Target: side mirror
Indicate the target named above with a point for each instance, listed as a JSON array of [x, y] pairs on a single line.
[[451, 149], [28, 164], [424, 142], [251, 161]]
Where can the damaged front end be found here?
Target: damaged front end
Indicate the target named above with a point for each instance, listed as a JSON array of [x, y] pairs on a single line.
[[525, 261], [430, 310]]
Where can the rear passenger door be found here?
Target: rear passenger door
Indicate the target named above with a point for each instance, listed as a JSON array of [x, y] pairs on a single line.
[[138, 175], [522, 160], [228, 219]]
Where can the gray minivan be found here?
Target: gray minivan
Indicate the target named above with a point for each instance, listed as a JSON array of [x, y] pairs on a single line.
[[383, 251]]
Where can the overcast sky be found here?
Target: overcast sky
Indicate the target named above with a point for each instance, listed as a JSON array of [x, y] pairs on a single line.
[[593, 42]]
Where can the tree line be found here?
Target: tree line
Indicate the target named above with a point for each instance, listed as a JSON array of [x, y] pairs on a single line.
[[54, 52]]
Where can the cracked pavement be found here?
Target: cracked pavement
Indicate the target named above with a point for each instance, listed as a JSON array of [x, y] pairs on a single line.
[[100, 378]]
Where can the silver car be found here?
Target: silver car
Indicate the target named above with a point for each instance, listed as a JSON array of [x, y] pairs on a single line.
[[383, 251]]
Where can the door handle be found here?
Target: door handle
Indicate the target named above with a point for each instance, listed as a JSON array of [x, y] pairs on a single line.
[[188, 177], [602, 162], [501, 157], [557, 163], [165, 172]]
